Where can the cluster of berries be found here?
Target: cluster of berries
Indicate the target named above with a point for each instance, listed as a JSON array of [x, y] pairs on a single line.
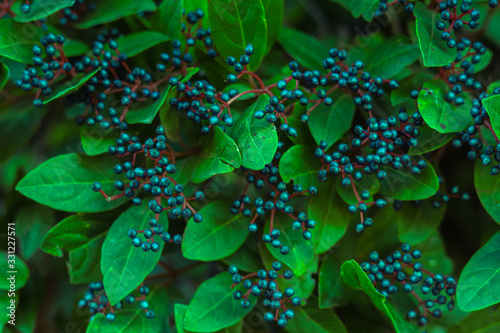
[[384, 6], [156, 181], [400, 271], [73, 13], [267, 286], [488, 152], [96, 301]]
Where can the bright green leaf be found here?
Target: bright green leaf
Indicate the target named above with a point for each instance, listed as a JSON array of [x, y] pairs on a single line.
[[303, 48], [434, 50], [299, 164], [16, 268], [219, 235], [96, 140], [71, 86], [479, 283], [317, 321], [168, 18], [17, 40], [487, 189], [235, 24], [439, 114], [256, 138], [330, 123], [135, 43], [404, 185], [112, 10], [65, 183], [124, 266], [4, 75], [430, 140], [492, 106], [40, 9]]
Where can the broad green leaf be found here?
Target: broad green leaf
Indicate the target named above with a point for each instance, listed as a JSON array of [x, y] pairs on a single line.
[[112, 10], [434, 50], [180, 313], [133, 319], [355, 278], [392, 56], [34, 221], [40, 9], [487, 189], [299, 164], [241, 88], [82, 236], [235, 24], [330, 123], [96, 140], [484, 61], [137, 42], [275, 12], [16, 268], [303, 48], [416, 224], [301, 254], [146, 114], [219, 154], [492, 106], [330, 292], [168, 18], [219, 235], [362, 7], [332, 220], [439, 114], [18, 122], [430, 140], [71, 86], [213, 306], [65, 183], [315, 320], [404, 185], [256, 138], [247, 257], [483, 321], [4, 75], [479, 283], [124, 266], [17, 40]]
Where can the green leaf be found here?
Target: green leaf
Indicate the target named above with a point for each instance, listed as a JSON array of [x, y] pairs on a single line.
[[247, 257], [73, 48], [70, 86], [315, 320], [146, 114], [96, 140], [219, 154], [332, 221], [82, 236], [484, 61], [301, 254], [355, 278], [479, 283], [391, 56], [487, 189], [241, 88], [256, 138], [17, 40], [34, 221], [330, 123], [16, 268], [213, 306], [40, 9], [275, 12], [362, 7], [168, 18], [112, 10], [483, 321], [492, 86], [180, 313], [4, 75], [492, 106], [430, 140], [303, 48], [64, 183], [434, 256], [124, 266], [372, 184], [404, 185], [416, 224], [439, 114], [330, 292], [135, 43], [219, 235], [18, 122], [299, 164], [132, 318], [434, 50], [235, 24]]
